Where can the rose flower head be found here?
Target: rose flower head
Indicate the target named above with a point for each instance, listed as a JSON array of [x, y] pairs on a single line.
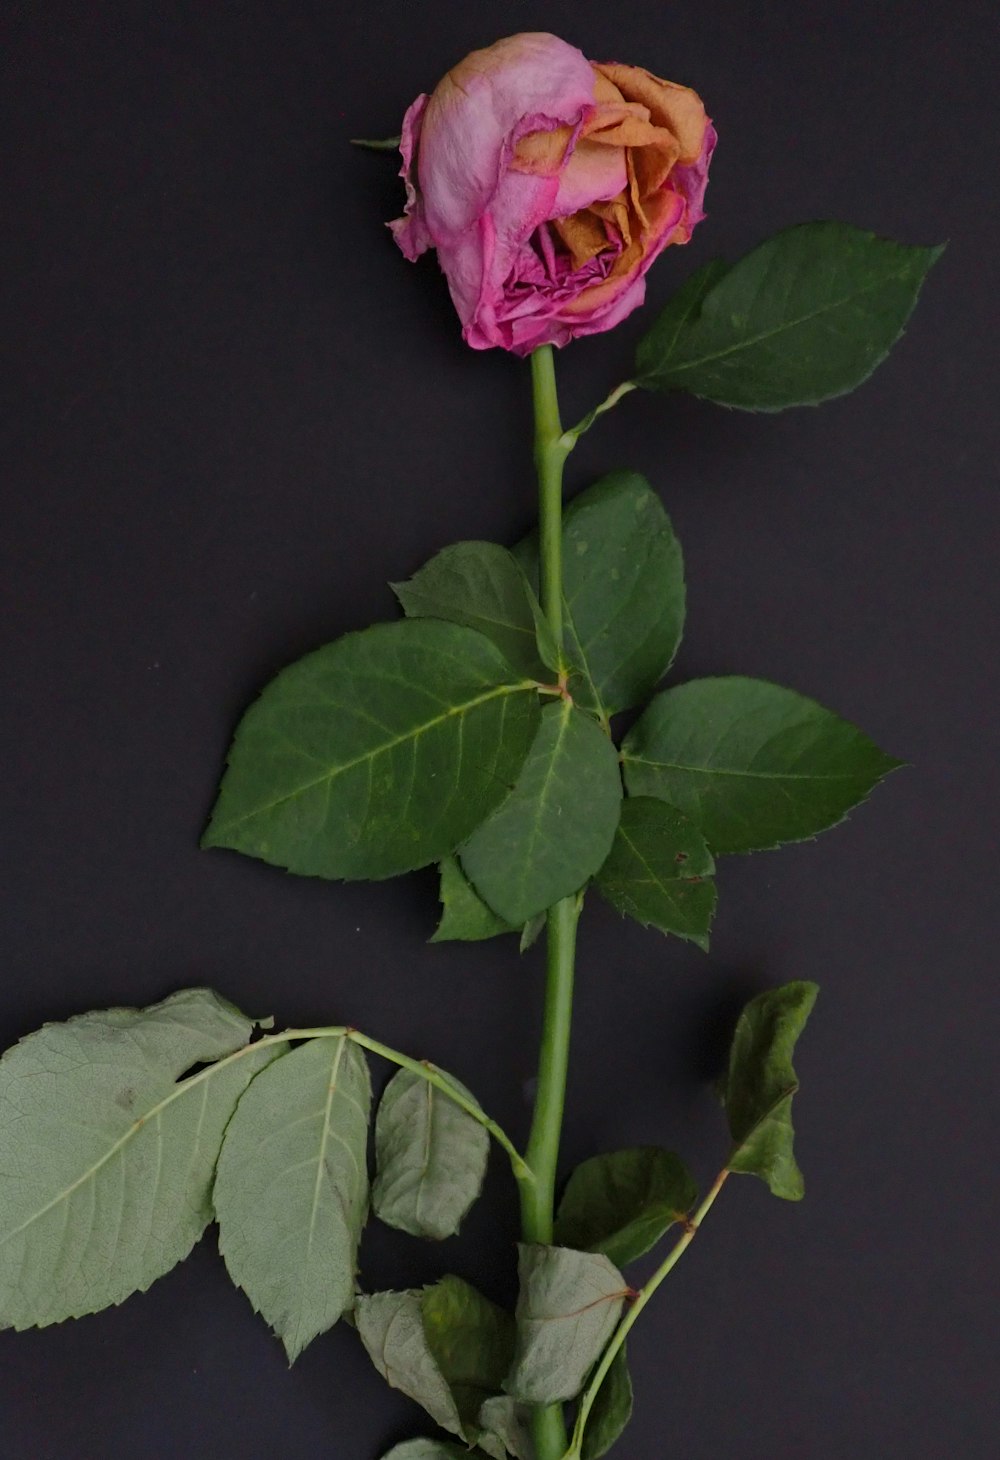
[[548, 185]]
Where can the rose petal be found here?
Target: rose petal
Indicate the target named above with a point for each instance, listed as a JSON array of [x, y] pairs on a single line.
[[478, 110], [410, 231]]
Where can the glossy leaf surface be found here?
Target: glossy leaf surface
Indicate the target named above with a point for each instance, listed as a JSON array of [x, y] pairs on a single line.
[[659, 870], [807, 315], [376, 754], [556, 827], [751, 764]]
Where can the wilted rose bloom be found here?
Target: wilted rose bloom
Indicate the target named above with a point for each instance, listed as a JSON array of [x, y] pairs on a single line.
[[548, 185]]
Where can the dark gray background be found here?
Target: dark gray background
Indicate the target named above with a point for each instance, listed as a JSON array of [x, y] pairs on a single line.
[[235, 411]]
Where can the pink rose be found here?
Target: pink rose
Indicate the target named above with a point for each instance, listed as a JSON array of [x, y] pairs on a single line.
[[548, 185]]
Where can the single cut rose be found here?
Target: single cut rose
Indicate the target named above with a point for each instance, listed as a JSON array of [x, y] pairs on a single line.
[[548, 185]]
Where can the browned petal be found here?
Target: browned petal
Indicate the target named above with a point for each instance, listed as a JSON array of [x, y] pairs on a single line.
[[583, 234], [677, 108], [605, 89], [542, 152], [624, 125], [591, 298], [617, 213]]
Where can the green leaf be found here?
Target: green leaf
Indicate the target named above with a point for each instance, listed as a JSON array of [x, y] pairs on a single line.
[[108, 1151], [611, 1412], [569, 1306], [472, 1343], [377, 754], [391, 1327], [751, 764], [431, 1158], [760, 1085], [623, 587], [659, 870], [621, 1204], [510, 1423], [807, 315], [291, 1193], [445, 1347], [426, 1450], [548, 649], [465, 917], [556, 827], [658, 346], [480, 585], [531, 931]]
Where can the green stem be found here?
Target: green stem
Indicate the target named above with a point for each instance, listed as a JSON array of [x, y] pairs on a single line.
[[631, 1318], [538, 1192], [551, 451]]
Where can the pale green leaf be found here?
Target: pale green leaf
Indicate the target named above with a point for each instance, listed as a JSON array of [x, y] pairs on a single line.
[[623, 589], [751, 764], [556, 827], [465, 918], [391, 1327], [621, 1204], [568, 1307], [659, 870], [510, 1422], [291, 1193], [107, 1151], [446, 1347], [427, 1450], [611, 1412], [480, 585], [472, 1344], [431, 1158], [807, 315], [376, 754], [761, 1083], [531, 932]]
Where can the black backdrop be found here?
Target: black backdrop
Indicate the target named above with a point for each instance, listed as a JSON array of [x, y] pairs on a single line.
[[234, 412]]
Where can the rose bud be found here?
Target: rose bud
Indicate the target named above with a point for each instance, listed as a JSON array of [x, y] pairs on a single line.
[[548, 185]]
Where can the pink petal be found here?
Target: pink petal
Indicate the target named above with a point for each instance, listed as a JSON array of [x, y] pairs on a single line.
[[476, 114], [410, 231]]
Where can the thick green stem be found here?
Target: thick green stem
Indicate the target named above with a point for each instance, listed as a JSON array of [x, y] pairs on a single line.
[[625, 1327], [551, 451], [542, 1154]]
